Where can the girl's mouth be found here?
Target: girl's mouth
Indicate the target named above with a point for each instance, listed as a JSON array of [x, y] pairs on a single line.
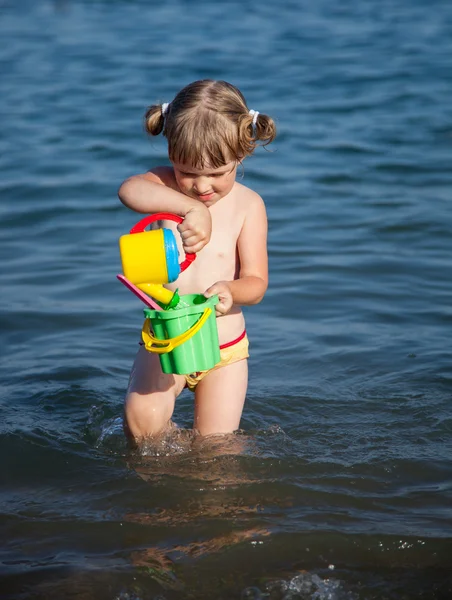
[[205, 197]]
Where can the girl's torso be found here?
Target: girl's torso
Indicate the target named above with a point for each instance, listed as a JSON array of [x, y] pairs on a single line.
[[219, 259]]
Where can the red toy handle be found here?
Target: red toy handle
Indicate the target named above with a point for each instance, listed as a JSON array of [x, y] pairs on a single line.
[[141, 225]]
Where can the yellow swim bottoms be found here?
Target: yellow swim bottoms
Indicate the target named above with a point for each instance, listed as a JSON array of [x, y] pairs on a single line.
[[230, 353]]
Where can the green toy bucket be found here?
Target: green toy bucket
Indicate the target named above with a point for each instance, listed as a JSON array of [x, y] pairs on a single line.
[[186, 339]]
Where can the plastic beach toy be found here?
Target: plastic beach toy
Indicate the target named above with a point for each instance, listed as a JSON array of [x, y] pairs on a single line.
[[138, 293], [186, 339], [182, 331], [150, 258]]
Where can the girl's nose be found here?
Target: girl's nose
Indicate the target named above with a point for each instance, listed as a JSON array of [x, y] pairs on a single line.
[[202, 185]]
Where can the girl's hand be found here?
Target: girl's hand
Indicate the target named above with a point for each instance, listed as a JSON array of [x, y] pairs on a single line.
[[223, 291], [196, 228]]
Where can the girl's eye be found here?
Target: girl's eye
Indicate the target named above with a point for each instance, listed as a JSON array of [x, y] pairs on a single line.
[[185, 174]]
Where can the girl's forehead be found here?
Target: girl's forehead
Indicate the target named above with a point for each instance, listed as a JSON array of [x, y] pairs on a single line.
[[206, 170]]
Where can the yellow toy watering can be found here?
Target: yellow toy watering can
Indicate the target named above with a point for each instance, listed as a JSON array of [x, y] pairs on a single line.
[[150, 258]]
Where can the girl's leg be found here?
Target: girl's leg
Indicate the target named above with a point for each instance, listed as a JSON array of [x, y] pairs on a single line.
[[219, 399], [151, 396]]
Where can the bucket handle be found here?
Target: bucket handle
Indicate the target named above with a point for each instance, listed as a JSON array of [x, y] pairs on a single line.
[[153, 344], [141, 225]]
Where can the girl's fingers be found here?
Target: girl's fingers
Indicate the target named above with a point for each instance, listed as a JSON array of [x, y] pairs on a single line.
[[193, 248], [191, 240], [189, 236]]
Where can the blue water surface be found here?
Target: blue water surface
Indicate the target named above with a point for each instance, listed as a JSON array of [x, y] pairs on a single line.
[[339, 484]]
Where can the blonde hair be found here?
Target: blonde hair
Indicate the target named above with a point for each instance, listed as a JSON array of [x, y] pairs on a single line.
[[208, 124]]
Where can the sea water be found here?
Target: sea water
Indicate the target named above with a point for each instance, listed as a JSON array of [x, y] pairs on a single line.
[[338, 484]]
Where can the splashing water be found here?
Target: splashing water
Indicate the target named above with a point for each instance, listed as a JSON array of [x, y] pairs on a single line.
[[304, 586]]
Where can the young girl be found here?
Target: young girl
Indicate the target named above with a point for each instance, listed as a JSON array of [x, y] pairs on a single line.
[[210, 131]]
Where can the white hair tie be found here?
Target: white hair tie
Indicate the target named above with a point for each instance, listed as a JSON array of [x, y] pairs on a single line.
[[254, 114], [165, 106]]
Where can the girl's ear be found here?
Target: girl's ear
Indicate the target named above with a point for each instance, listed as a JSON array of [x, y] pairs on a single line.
[[241, 168]]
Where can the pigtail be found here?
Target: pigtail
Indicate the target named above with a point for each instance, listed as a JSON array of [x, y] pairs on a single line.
[[265, 130], [154, 119], [253, 129]]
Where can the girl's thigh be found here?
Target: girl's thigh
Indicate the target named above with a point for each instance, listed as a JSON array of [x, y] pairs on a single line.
[[219, 399], [151, 396]]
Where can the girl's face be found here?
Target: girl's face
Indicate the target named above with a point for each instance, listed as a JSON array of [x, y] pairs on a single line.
[[207, 185]]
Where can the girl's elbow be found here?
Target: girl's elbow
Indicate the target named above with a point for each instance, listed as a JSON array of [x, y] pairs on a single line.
[[122, 192], [260, 291], [259, 298], [127, 191]]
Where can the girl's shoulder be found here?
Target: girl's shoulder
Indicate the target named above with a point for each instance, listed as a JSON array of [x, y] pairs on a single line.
[[244, 192]]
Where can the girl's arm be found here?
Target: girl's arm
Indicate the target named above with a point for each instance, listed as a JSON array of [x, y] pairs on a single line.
[[147, 193], [152, 192], [252, 282]]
